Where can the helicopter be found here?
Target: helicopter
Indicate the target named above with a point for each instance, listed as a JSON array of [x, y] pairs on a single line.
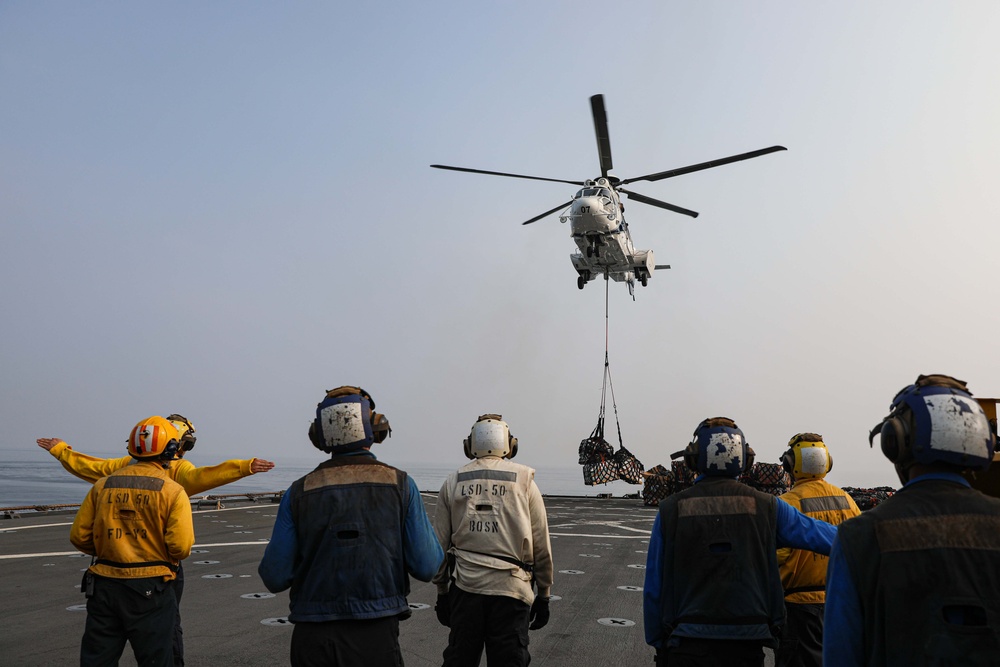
[[596, 212]]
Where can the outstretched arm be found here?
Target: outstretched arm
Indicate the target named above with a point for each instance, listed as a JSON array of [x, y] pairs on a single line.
[[797, 530], [198, 480], [88, 468]]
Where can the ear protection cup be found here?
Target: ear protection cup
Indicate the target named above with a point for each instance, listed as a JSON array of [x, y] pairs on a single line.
[[467, 446], [513, 448], [895, 439], [788, 461], [751, 455], [170, 451], [314, 438], [380, 427], [691, 455]]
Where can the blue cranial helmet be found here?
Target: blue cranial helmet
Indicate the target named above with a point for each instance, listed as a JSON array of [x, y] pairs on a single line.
[[346, 421], [936, 420], [718, 449]]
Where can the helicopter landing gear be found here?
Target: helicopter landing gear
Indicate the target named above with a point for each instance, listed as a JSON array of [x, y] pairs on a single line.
[[580, 282], [593, 250], [643, 280]]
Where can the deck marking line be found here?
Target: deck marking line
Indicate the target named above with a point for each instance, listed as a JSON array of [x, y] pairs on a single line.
[[610, 537]]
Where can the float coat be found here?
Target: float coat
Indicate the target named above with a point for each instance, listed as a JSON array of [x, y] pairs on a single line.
[[720, 577], [803, 573], [137, 522], [926, 564], [490, 517], [349, 515]]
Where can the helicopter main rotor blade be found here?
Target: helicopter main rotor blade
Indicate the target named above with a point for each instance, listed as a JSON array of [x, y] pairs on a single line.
[[500, 173], [539, 217], [704, 165], [601, 130], [635, 196]]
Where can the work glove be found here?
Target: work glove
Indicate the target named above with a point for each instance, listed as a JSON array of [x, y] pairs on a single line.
[[539, 614], [443, 610]]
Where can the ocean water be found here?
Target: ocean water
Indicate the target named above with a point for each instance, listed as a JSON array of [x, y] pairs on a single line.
[[30, 478]]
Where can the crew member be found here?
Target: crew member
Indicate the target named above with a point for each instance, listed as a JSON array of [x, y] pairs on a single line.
[[137, 524], [803, 573], [916, 580], [195, 480], [491, 521], [347, 537], [713, 594]]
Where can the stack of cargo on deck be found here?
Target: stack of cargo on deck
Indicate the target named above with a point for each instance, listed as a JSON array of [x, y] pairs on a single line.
[[767, 477]]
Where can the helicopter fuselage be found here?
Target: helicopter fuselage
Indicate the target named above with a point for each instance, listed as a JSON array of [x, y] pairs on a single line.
[[597, 225]]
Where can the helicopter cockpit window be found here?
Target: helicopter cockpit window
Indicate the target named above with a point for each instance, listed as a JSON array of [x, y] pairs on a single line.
[[593, 192]]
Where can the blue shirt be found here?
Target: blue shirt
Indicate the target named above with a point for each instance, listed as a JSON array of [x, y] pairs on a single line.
[[842, 617], [421, 548], [794, 529]]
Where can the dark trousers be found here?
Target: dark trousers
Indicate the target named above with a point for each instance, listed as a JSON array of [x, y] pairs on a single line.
[[802, 637], [370, 643], [138, 611], [178, 632], [496, 622], [712, 653]]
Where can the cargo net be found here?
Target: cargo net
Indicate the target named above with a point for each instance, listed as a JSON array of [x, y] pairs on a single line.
[[660, 482], [866, 499], [602, 464], [657, 485], [767, 477]]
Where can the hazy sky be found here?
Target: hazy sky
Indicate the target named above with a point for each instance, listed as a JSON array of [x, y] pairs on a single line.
[[223, 209]]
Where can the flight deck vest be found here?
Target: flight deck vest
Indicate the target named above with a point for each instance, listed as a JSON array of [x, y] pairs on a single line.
[[349, 515], [927, 569], [803, 573], [720, 574]]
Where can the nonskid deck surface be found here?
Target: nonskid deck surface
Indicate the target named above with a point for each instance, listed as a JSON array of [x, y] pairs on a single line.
[[229, 618]]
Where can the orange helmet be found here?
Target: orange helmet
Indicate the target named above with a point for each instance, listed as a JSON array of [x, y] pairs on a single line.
[[154, 438]]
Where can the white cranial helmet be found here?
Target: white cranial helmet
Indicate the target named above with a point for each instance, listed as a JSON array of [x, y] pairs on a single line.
[[490, 436]]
